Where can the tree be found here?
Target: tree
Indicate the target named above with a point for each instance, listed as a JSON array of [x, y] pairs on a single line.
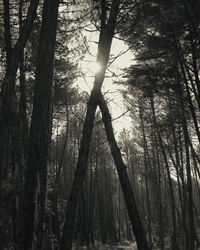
[[13, 58], [49, 200], [40, 131], [105, 40], [104, 45], [125, 183], [164, 51]]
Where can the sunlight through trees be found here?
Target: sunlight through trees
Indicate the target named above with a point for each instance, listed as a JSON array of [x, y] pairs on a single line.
[[72, 177]]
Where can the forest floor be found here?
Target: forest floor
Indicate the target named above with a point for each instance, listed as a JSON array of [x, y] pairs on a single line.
[[127, 246]]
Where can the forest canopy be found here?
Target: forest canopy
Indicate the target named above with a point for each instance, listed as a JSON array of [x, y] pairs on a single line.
[[66, 181]]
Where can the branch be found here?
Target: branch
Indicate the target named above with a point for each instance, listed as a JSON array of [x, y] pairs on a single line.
[[120, 54], [7, 34], [24, 34]]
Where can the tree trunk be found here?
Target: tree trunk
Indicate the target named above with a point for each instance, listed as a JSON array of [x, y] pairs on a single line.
[[105, 40], [184, 191], [36, 172], [148, 205], [172, 199], [189, 177], [124, 180], [8, 105]]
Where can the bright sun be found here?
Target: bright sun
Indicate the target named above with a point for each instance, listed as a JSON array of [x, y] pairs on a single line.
[[94, 67], [90, 67]]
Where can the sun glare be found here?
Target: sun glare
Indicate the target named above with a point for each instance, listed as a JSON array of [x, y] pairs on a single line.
[[119, 59], [90, 67], [94, 67]]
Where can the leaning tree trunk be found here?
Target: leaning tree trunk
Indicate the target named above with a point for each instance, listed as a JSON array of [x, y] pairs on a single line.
[[106, 36], [131, 205], [105, 40], [40, 130]]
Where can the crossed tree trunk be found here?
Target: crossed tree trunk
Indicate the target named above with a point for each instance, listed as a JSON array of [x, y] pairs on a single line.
[[96, 98]]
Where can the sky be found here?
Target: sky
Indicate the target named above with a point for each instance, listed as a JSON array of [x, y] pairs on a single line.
[[112, 93]]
